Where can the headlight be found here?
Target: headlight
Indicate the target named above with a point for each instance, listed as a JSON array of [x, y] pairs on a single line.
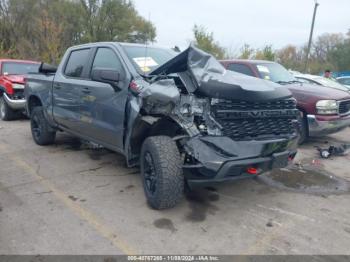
[[17, 86], [327, 107]]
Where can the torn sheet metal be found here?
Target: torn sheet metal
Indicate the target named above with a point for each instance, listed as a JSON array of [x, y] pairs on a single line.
[[211, 79]]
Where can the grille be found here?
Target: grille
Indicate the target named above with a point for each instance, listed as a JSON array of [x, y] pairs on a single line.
[[344, 107], [257, 127], [19, 94], [245, 105]]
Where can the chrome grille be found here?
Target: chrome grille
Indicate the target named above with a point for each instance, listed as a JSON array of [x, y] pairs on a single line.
[[344, 107]]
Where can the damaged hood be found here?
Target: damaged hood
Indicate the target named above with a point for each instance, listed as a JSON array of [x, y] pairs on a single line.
[[204, 75]]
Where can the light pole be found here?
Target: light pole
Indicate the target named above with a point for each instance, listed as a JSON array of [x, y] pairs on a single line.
[[310, 37]]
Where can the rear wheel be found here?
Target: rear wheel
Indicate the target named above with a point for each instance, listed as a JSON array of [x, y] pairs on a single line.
[[6, 112], [41, 131], [161, 170]]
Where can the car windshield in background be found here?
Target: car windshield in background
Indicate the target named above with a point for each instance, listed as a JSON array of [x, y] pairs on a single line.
[[276, 73], [146, 59], [12, 68], [330, 83], [344, 81]]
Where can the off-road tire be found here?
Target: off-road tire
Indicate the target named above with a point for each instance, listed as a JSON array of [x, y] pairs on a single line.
[[304, 129], [6, 112], [169, 179], [41, 131]]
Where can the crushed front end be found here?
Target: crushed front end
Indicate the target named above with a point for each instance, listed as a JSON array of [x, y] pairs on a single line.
[[234, 126], [251, 138]]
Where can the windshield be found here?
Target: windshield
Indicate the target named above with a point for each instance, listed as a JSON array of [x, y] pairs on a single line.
[[12, 68], [146, 59], [275, 72], [344, 81], [330, 83]]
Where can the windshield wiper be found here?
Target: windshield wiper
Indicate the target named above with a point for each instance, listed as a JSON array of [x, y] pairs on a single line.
[[283, 82], [287, 82]]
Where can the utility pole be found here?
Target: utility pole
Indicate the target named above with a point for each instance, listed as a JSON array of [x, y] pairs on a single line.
[[310, 37]]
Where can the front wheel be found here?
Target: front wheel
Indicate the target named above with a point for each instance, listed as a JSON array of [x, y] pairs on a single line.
[[6, 112], [304, 128], [161, 170], [41, 131]]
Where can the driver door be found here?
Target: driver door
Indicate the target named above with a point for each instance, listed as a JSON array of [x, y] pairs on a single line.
[[102, 108]]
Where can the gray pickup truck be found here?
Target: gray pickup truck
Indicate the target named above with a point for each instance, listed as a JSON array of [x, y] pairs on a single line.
[[181, 117]]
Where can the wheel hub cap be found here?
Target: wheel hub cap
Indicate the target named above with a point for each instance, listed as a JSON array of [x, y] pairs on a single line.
[[150, 173]]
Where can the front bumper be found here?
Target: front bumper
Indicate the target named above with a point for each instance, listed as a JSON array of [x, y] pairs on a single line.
[[323, 125], [222, 159], [15, 104]]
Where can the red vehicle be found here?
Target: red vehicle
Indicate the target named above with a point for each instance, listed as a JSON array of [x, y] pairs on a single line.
[[324, 110], [12, 73]]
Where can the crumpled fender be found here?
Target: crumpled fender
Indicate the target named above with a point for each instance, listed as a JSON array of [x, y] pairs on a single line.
[[157, 99]]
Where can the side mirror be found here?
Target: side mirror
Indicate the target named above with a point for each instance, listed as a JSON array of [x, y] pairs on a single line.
[[47, 68], [108, 76]]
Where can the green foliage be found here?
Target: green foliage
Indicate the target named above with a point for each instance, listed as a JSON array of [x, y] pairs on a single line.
[[341, 55], [266, 53], [246, 52], [205, 41], [44, 29]]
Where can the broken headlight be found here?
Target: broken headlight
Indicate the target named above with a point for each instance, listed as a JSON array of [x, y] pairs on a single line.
[[327, 107], [17, 86]]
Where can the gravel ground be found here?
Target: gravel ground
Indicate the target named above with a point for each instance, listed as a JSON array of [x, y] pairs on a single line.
[[71, 199]]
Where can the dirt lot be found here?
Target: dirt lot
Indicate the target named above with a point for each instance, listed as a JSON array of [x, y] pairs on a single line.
[[71, 199]]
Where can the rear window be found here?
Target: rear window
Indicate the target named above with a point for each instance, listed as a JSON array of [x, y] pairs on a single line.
[[77, 62], [240, 68], [146, 59], [13, 68]]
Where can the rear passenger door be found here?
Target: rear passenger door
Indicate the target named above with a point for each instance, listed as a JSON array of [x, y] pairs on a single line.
[[103, 106], [70, 81]]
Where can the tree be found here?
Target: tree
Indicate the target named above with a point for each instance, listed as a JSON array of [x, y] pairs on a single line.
[[265, 53], [119, 21], [246, 52], [205, 41], [44, 29], [291, 57], [341, 55]]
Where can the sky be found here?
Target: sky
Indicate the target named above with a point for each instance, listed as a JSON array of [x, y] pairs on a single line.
[[235, 22]]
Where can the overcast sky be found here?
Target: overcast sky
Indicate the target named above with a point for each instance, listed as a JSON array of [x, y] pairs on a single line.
[[234, 22]]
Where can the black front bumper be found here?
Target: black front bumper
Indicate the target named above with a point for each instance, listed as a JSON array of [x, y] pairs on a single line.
[[221, 159]]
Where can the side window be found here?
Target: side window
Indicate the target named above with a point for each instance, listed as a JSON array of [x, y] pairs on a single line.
[[77, 62], [240, 68], [106, 58]]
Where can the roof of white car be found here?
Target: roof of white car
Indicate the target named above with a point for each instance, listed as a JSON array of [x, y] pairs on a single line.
[[343, 77]]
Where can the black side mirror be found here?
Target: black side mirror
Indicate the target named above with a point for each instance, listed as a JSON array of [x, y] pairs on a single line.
[[108, 76], [47, 68]]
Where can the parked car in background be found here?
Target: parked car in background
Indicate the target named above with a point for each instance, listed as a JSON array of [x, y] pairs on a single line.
[[12, 73], [321, 81], [344, 80], [323, 110], [182, 117]]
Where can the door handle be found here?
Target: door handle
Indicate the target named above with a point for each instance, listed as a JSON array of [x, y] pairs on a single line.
[[57, 86], [86, 90]]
